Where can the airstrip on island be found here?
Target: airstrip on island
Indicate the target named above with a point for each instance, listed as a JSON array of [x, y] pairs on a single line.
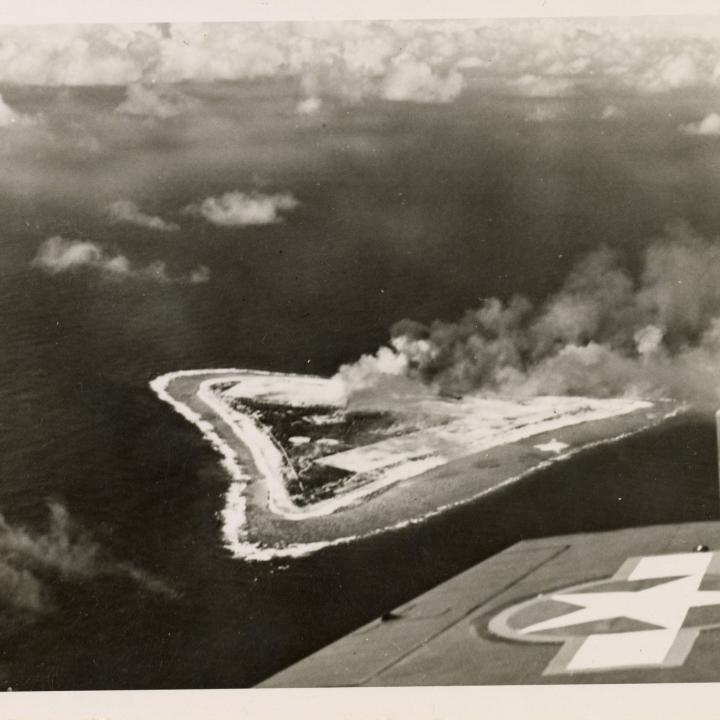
[[309, 469]]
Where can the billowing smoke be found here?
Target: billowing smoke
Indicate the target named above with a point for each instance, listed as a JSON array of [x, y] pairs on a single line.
[[29, 562], [606, 332]]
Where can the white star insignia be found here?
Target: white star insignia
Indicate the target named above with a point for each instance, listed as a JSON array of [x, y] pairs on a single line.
[[664, 605]]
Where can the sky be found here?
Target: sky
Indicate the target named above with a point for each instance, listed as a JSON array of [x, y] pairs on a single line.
[[397, 60], [85, 111], [400, 136], [177, 80]]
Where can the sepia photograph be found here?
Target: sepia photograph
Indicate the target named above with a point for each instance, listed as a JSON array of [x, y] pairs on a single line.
[[377, 352]]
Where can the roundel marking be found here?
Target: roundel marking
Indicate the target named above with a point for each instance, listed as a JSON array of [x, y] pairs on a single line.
[[648, 614]]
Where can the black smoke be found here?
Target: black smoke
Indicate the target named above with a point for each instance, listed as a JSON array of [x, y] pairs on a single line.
[[608, 331]]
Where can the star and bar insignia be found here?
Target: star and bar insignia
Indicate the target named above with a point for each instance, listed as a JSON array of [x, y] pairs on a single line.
[[648, 614]]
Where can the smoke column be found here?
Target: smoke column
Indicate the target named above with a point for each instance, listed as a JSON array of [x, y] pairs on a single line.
[[606, 332], [31, 562]]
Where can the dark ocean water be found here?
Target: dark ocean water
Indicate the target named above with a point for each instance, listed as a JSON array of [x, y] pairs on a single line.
[[404, 214]]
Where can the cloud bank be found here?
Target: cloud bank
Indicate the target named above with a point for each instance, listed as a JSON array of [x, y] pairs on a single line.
[[410, 61], [535, 86], [237, 209], [128, 212], [414, 81], [58, 255], [151, 102], [606, 332]]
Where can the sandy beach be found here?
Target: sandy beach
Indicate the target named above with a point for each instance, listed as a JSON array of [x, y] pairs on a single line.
[[490, 444]]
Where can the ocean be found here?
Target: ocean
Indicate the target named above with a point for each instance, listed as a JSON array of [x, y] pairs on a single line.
[[404, 213]]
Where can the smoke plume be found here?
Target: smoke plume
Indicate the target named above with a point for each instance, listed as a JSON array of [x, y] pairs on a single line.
[[606, 332], [30, 562]]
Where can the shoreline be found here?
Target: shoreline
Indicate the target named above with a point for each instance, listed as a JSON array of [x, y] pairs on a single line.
[[261, 522]]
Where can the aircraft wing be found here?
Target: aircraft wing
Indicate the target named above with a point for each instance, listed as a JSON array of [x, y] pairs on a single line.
[[635, 605]]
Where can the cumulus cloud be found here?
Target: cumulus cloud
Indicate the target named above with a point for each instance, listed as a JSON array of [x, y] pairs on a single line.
[[78, 55], [409, 61], [415, 81], [128, 212], [239, 208], [537, 86], [472, 62], [575, 66], [65, 550], [154, 102], [671, 73], [709, 125], [58, 255], [605, 332], [417, 61]]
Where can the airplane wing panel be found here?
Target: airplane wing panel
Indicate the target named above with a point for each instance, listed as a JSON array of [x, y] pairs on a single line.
[[637, 605]]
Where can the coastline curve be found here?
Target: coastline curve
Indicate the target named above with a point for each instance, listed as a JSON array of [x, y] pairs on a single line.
[[260, 520]]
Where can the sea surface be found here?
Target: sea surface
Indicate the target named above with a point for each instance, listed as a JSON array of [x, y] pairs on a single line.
[[404, 213]]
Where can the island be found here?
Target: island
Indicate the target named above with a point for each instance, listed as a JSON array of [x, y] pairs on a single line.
[[309, 467]]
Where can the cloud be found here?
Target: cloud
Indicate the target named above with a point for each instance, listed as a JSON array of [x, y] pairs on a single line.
[[79, 55], [709, 125], [309, 106], [536, 86], [239, 208], [415, 81], [57, 255], [127, 211], [28, 560], [575, 66], [155, 102], [411, 61], [612, 112], [472, 62], [605, 332], [201, 274], [670, 73], [11, 118]]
